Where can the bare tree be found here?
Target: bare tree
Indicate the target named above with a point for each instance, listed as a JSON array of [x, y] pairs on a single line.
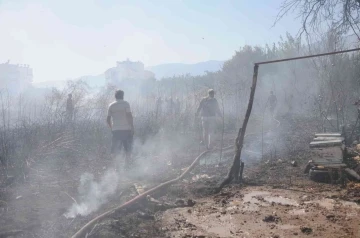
[[342, 15]]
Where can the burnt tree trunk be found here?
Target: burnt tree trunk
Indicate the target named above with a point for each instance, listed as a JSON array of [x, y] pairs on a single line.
[[237, 166]]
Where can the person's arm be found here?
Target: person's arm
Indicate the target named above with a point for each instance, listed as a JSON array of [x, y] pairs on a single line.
[[200, 107], [218, 111], [108, 119], [129, 118]]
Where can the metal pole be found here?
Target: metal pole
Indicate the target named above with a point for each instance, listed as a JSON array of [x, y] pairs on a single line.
[[308, 56]]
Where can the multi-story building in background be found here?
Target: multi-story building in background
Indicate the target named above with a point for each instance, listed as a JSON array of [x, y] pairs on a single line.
[[14, 77], [126, 71]]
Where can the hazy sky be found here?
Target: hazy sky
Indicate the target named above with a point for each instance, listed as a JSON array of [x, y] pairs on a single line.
[[63, 39]]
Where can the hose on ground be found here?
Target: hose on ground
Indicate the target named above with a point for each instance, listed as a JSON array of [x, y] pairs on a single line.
[[82, 232]]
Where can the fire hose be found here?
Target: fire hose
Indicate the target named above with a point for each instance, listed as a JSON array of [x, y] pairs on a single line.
[[84, 229]]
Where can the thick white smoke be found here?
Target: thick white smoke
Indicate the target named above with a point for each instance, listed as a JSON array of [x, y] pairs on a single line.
[[151, 158], [93, 194]]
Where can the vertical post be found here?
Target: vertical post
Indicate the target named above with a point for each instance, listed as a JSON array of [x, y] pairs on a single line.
[[223, 127], [262, 132], [235, 168], [337, 117], [246, 120]]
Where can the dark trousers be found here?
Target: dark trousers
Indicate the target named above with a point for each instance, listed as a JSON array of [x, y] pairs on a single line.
[[121, 138]]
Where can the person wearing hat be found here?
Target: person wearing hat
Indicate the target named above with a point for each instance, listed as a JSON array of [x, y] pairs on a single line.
[[208, 109]]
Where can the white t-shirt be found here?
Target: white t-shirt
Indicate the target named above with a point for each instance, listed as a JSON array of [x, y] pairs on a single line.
[[117, 111]]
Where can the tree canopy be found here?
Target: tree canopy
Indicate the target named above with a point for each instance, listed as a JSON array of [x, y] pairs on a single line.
[[341, 15]]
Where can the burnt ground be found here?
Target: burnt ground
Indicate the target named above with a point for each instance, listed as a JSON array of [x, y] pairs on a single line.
[[275, 200]]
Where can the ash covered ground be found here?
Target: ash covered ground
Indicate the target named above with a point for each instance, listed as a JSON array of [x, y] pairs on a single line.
[[275, 200]]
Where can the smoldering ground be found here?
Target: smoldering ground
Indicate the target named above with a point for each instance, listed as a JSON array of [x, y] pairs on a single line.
[[151, 158], [93, 194]]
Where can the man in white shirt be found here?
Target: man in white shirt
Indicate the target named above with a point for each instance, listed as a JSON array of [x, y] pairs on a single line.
[[120, 121]]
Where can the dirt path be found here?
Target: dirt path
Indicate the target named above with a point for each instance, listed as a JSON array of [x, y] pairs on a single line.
[[264, 212]]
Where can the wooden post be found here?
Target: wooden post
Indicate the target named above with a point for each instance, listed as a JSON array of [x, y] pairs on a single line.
[[235, 168]]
